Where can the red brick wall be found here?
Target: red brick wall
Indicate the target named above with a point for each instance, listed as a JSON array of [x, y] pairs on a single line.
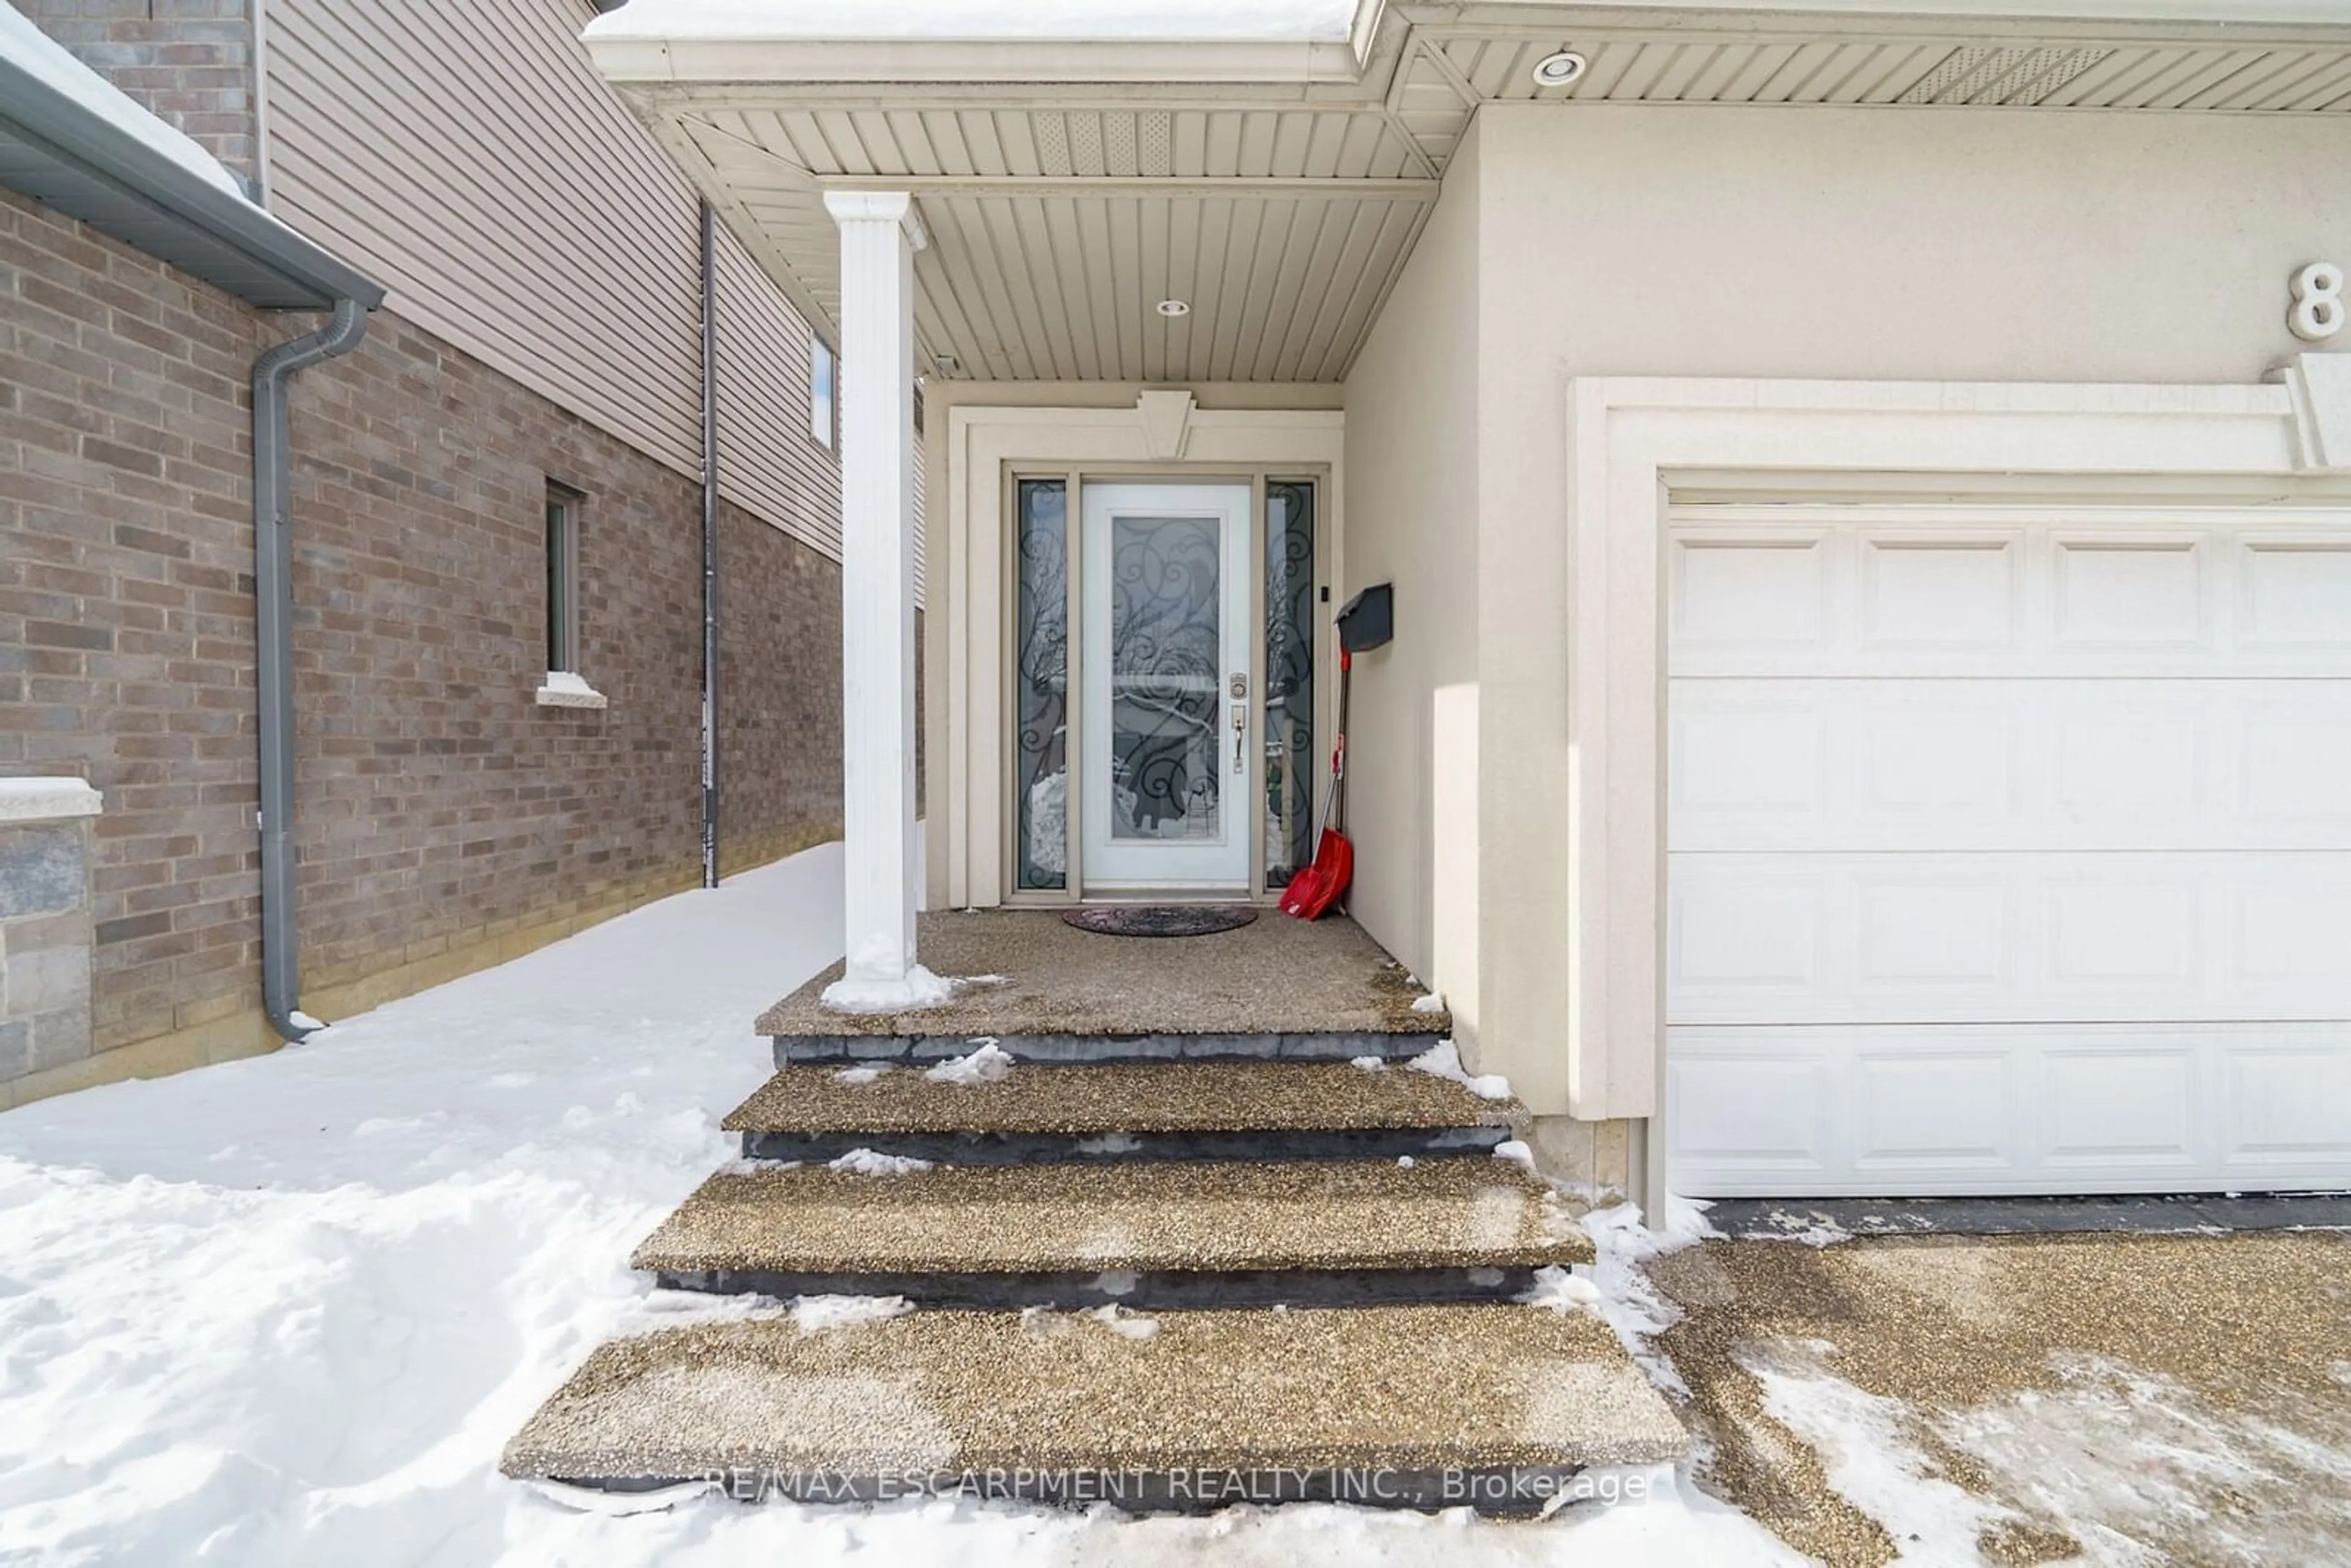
[[439, 805]]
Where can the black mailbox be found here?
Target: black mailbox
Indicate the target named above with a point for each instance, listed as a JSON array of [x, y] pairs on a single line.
[[1368, 620]]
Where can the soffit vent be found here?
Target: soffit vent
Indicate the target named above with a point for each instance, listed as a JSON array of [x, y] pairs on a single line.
[[1086, 145], [1052, 144], [1157, 154], [1977, 74]]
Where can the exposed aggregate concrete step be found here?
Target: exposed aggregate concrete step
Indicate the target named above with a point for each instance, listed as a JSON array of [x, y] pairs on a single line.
[[1163, 1235], [1178, 1109], [1496, 1407]]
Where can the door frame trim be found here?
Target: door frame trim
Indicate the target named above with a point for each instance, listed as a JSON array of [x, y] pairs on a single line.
[[978, 454]]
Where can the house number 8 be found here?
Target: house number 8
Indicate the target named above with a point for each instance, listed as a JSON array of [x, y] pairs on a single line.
[[2317, 302]]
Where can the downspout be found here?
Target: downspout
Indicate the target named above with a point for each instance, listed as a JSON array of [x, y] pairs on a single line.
[[709, 550], [273, 577]]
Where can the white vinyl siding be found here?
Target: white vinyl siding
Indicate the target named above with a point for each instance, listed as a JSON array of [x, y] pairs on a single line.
[[2010, 849], [466, 155]]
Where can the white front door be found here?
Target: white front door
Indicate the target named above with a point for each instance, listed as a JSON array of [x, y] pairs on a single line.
[[1166, 684]]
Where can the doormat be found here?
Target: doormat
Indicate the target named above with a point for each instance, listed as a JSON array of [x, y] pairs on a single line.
[[1157, 919]]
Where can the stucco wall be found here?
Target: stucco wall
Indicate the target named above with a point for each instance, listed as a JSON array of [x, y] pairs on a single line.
[[1771, 242], [1413, 432]]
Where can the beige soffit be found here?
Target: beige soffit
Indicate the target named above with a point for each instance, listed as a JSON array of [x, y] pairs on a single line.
[[1277, 185]]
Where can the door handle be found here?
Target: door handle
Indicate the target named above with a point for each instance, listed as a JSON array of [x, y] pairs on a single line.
[[1240, 737]]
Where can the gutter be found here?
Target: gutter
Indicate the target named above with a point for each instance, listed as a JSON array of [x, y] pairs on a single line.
[[709, 549], [64, 154], [69, 141], [273, 575]]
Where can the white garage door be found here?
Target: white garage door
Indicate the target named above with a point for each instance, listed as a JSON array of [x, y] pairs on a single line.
[[2010, 849]]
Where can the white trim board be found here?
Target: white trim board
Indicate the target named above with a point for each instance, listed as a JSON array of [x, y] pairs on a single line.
[[1630, 441]]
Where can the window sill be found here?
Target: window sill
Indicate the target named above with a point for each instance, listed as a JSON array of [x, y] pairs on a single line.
[[560, 689]]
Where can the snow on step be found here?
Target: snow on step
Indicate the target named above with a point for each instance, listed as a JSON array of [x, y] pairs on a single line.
[[1222, 1215], [1423, 1403]]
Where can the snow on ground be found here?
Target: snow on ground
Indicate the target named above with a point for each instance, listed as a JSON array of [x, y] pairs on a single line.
[[2141, 1469], [1870, 1461], [2126, 1457], [288, 1310], [1630, 1304]]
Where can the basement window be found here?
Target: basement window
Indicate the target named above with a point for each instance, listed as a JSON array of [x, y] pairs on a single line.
[[563, 686], [824, 414]]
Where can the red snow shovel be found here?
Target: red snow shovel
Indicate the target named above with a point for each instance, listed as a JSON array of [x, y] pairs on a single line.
[[1312, 891]]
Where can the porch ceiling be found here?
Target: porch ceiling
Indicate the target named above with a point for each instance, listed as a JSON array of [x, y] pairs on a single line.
[[1277, 188]]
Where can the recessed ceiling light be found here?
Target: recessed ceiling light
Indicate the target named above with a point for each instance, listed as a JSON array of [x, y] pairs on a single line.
[[1559, 69], [1174, 307]]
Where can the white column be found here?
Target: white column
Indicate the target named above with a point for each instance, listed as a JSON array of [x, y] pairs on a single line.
[[879, 236]]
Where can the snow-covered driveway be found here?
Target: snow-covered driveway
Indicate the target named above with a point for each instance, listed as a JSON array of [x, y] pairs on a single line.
[[2107, 1399], [287, 1310]]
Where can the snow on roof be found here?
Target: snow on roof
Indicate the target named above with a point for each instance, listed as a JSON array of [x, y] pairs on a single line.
[[1210, 21], [46, 61]]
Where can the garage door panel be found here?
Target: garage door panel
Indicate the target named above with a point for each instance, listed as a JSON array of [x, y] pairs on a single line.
[[1789, 766], [1949, 930], [2133, 766], [1758, 759], [2009, 849], [1944, 754], [2133, 591], [1961, 938], [1939, 593], [1751, 592], [1760, 935], [2123, 1103], [1935, 1110], [2287, 1105], [1758, 1114], [1966, 591], [1818, 1111], [2290, 926], [2131, 935], [2293, 594], [2294, 760]]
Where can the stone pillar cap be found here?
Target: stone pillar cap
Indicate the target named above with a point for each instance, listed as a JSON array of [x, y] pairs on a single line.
[[45, 799]]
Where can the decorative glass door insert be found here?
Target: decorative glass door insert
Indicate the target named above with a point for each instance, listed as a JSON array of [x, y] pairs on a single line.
[[1168, 678]]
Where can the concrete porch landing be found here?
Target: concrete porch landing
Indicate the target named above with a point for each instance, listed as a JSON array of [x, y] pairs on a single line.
[[1045, 991]]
